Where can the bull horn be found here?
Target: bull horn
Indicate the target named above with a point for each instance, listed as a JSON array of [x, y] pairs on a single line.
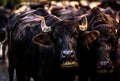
[[117, 17], [84, 24], [44, 27]]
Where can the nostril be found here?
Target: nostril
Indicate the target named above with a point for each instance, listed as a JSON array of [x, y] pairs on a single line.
[[63, 54], [108, 64], [72, 52]]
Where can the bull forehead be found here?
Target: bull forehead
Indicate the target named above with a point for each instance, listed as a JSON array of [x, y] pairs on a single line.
[[66, 27], [104, 46], [105, 37]]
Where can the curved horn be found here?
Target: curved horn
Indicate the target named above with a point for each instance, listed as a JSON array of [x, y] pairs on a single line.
[[117, 17], [84, 24], [44, 27]]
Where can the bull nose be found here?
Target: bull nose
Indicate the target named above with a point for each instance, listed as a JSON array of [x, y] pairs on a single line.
[[104, 63], [67, 53]]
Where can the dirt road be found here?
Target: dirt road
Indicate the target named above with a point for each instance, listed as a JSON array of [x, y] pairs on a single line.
[[3, 69], [3, 72]]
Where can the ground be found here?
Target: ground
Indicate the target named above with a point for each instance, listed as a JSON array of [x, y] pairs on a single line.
[[3, 72], [3, 69]]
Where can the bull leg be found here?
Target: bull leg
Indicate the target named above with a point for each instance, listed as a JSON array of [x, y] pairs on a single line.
[[83, 75], [116, 74], [11, 73], [11, 66], [21, 75], [3, 51], [67, 76], [4, 46], [36, 79]]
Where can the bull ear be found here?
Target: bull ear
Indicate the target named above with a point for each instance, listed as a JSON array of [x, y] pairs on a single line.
[[42, 39], [90, 36], [44, 27], [84, 24]]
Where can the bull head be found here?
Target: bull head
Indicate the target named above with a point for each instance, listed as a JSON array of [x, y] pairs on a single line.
[[43, 41], [84, 24], [67, 52]]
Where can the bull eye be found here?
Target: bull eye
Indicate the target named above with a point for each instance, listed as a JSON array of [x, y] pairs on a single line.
[[73, 42], [57, 39], [74, 35], [56, 34], [107, 45], [60, 40], [73, 39]]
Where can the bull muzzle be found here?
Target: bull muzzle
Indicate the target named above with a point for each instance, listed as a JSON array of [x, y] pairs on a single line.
[[105, 67], [68, 59]]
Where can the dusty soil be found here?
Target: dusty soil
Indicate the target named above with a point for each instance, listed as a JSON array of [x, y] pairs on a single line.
[[3, 72], [3, 69]]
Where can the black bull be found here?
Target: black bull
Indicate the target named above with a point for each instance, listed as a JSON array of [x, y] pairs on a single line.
[[101, 53], [117, 57], [45, 53]]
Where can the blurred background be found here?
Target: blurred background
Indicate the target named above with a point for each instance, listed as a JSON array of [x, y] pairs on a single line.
[[16, 3]]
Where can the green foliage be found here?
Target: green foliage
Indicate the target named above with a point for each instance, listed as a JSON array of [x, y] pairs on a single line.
[[10, 3], [3, 2]]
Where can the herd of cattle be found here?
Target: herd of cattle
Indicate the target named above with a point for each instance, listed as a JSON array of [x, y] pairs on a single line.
[[48, 42]]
